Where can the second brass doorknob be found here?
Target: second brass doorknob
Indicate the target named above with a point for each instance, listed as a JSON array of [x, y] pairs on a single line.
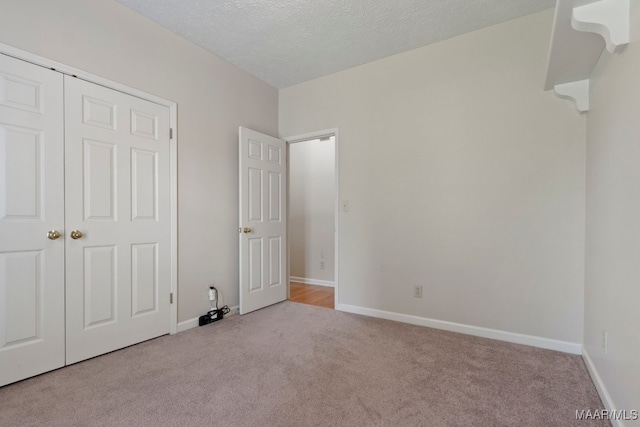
[[75, 234], [246, 230]]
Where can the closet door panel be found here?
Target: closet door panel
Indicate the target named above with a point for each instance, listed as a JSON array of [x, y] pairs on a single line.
[[31, 204], [118, 197]]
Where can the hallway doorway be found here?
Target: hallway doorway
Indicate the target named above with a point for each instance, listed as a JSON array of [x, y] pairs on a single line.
[[312, 214]]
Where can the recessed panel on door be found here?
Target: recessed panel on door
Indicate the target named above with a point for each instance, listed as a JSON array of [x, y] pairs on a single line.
[[98, 112], [274, 259], [100, 281], [144, 184], [255, 150], [21, 177], [275, 196], [275, 156], [144, 124], [255, 195], [144, 276], [21, 301], [99, 180], [255, 264], [21, 93]]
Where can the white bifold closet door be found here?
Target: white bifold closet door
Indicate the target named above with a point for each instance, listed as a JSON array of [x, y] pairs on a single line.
[[31, 204], [85, 228], [117, 194]]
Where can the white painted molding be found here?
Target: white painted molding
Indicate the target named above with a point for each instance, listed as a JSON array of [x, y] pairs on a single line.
[[602, 390], [608, 18], [577, 92], [312, 135], [512, 337], [308, 281], [173, 164], [193, 323], [188, 324]]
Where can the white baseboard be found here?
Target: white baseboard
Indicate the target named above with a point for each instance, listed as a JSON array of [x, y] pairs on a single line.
[[512, 337], [602, 390], [192, 323], [187, 324], [308, 281]]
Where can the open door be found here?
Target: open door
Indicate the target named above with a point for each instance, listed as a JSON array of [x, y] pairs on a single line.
[[263, 222]]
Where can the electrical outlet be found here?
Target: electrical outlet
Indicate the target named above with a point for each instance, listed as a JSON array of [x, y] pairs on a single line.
[[605, 341], [417, 291], [321, 265]]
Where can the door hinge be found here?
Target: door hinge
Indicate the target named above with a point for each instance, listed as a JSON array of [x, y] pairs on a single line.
[[171, 298], [170, 133]]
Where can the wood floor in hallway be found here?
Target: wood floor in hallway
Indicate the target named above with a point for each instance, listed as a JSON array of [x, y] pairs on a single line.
[[321, 296]]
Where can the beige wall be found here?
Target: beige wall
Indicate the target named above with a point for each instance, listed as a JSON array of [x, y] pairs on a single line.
[[463, 176], [612, 282], [312, 209], [214, 98]]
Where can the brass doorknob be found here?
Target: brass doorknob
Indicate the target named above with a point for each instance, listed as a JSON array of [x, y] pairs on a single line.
[[53, 234], [75, 234], [246, 230]]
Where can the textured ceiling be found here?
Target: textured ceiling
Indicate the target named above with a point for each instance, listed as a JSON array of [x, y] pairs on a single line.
[[285, 42]]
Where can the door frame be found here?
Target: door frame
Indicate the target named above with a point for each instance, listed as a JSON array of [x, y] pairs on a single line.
[[173, 149], [332, 132]]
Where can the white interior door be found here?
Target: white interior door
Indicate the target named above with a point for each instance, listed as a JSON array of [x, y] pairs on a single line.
[[31, 204], [118, 197], [263, 226]]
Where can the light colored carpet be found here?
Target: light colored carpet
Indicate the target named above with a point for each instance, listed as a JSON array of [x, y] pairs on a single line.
[[298, 365]]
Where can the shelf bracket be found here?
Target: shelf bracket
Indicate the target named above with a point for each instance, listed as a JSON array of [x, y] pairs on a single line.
[[609, 18], [577, 92]]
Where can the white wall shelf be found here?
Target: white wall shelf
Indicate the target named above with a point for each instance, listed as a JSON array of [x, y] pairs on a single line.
[[581, 30]]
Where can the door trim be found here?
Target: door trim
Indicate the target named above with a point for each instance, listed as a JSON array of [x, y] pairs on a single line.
[[173, 149], [306, 137]]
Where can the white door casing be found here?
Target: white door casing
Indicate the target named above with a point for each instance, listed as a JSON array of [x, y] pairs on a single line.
[[262, 224], [117, 186], [31, 204]]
